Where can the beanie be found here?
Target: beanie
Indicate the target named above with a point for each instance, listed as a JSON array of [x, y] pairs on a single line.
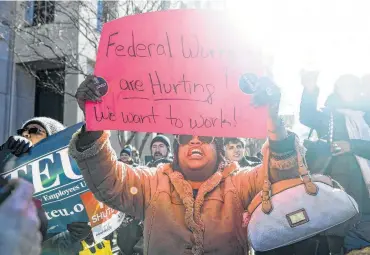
[[127, 150], [163, 139], [51, 126]]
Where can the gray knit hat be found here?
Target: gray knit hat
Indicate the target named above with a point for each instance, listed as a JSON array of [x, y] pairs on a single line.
[[51, 126], [163, 139]]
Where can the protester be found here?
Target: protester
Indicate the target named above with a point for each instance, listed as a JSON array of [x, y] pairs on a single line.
[[126, 155], [32, 133], [350, 164], [20, 223], [160, 148], [195, 204], [235, 150]]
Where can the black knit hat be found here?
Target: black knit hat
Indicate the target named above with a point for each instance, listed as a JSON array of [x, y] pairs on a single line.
[[163, 139], [51, 126], [220, 151]]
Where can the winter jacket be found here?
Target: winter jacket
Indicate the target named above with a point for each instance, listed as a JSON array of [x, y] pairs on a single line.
[[131, 163], [155, 163], [343, 168], [248, 161], [61, 244], [174, 221], [129, 235]]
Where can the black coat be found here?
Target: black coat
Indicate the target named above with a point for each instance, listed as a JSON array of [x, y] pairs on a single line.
[[249, 161], [344, 168]]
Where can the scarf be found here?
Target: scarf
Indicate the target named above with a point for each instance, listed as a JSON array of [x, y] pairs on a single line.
[[357, 128]]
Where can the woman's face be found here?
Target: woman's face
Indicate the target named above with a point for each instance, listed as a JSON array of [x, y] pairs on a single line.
[[34, 133], [197, 158]]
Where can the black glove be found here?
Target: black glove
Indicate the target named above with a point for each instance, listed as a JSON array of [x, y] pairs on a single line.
[[267, 93], [89, 91], [79, 231], [17, 145]]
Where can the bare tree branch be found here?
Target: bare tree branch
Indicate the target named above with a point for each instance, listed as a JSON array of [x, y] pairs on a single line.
[[143, 142], [132, 136]]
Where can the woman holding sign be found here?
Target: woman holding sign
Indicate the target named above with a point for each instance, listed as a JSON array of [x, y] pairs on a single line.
[[194, 205]]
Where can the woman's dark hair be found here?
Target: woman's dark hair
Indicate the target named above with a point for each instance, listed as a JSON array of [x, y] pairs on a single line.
[[347, 79], [220, 150], [334, 101], [235, 140]]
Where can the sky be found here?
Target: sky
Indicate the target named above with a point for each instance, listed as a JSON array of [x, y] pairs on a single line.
[[330, 36]]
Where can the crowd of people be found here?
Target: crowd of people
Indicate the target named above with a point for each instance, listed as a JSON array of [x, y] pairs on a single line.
[[191, 196]]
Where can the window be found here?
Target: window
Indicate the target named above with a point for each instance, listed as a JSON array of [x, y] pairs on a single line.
[[49, 99], [165, 5], [106, 11], [40, 12]]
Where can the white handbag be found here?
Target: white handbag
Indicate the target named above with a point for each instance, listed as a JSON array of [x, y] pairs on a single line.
[[292, 210]]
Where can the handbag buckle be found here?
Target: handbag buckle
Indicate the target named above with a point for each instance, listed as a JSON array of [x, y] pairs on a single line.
[[269, 193], [303, 175]]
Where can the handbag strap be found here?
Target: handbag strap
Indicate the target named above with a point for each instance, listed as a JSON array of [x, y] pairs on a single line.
[[331, 129], [304, 175]]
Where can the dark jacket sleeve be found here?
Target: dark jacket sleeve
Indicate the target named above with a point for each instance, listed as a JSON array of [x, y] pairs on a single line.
[[61, 244], [309, 115], [361, 148]]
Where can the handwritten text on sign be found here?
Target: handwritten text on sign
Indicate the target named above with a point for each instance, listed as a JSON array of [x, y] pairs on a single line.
[[175, 72]]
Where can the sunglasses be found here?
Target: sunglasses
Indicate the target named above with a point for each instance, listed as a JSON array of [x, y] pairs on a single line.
[[185, 139], [32, 130]]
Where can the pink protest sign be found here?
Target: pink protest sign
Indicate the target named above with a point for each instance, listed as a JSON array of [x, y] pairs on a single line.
[[176, 72]]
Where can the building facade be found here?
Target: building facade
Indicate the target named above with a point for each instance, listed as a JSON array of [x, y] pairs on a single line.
[[46, 49]]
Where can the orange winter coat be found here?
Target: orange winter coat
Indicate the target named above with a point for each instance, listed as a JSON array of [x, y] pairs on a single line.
[[175, 221]]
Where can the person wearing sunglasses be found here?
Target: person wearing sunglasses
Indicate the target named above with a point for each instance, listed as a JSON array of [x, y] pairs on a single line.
[[194, 205], [31, 133]]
